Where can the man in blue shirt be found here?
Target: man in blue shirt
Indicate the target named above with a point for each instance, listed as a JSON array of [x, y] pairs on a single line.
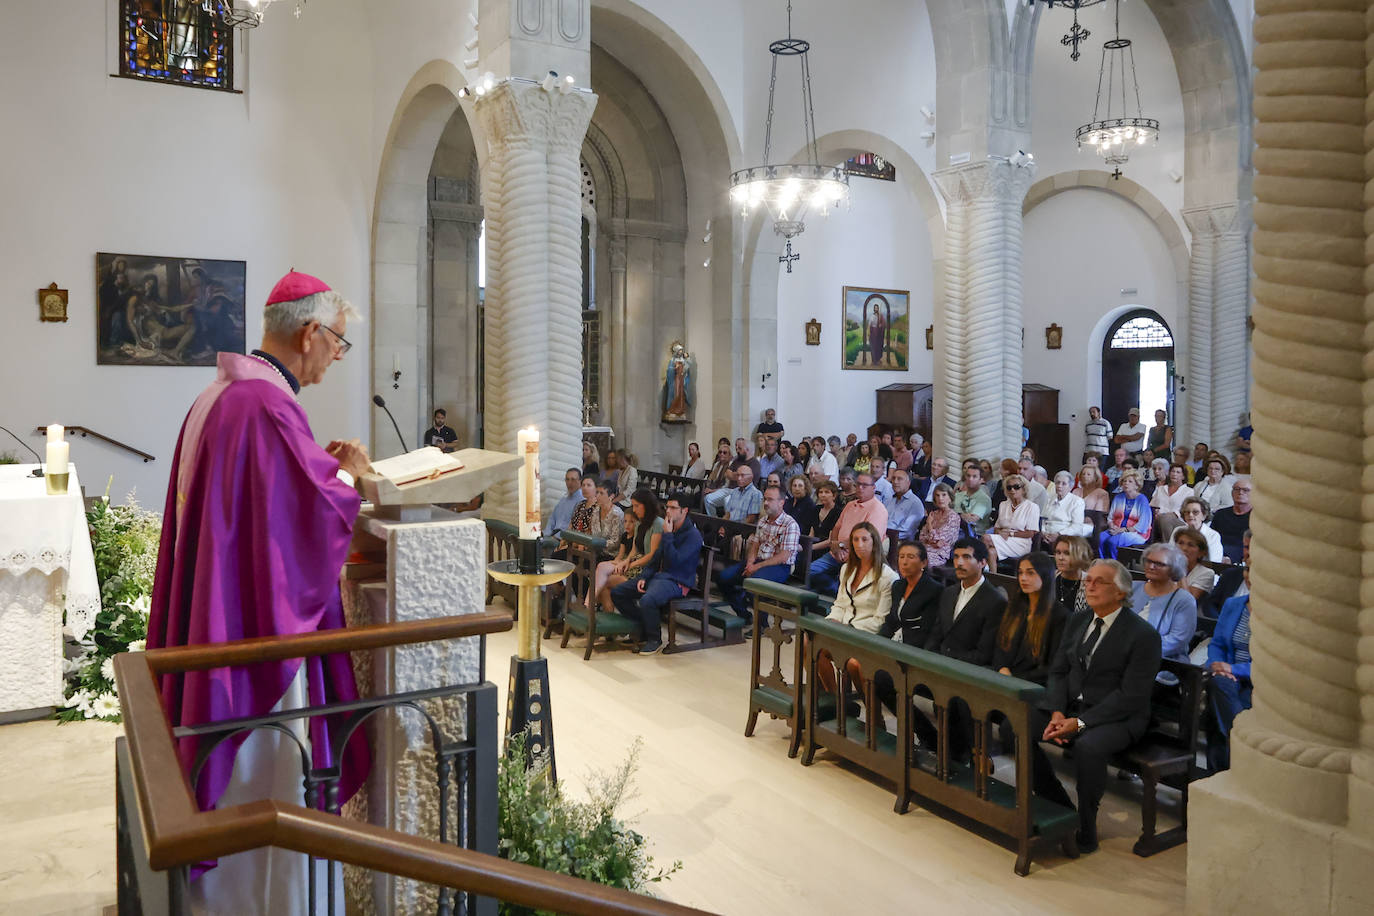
[[668, 577], [743, 503], [769, 460], [904, 511], [562, 514]]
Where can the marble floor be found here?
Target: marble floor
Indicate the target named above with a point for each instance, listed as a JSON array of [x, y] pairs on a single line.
[[748, 823]]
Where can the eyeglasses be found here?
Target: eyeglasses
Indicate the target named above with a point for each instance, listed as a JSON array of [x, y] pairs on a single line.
[[344, 345], [1156, 564], [1013, 486]]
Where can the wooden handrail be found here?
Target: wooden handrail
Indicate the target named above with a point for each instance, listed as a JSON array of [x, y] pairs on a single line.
[[177, 834], [84, 431], [324, 642]]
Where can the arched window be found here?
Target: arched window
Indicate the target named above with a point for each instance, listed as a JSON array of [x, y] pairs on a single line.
[[1141, 333], [176, 41]]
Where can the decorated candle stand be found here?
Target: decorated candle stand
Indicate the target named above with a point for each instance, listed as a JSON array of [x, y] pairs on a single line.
[[528, 702]]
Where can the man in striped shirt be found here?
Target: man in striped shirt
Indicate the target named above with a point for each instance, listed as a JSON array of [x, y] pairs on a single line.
[[770, 554]]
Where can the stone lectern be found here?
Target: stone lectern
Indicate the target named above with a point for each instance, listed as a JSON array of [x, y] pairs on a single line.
[[412, 560]]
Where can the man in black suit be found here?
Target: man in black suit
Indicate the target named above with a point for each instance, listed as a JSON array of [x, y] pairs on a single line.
[[1098, 695], [939, 474], [965, 627]]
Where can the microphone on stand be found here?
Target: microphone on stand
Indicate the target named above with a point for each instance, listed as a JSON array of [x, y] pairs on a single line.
[[377, 399], [39, 471]]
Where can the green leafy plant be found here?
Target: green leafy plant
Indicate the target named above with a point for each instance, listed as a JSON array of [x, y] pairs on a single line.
[[125, 542], [541, 826], [8, 458]]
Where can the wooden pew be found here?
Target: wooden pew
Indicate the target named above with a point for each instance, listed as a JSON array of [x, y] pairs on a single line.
[[779, 691], [730, 548], [1168, 752], [697, 606], [585, 552], [1011, 810]]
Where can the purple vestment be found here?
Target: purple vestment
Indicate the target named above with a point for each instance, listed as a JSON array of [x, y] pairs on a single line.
[[256, 529]]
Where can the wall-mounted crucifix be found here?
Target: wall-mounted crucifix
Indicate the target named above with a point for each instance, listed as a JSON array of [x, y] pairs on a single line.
[[789, 257]]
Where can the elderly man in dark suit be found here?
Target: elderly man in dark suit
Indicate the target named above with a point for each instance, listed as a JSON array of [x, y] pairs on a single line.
[[965, 627], [1098, 695]]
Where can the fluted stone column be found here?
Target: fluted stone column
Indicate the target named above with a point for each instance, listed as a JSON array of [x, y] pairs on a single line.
[[979, 326], [1218, 294], [1287, 828], [531, 195]]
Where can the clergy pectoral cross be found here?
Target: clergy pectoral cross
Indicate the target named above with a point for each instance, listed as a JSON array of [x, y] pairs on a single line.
[[789, 257]]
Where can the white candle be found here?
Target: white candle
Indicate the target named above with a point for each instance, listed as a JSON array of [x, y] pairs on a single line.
[[395, 362], [527, 441], [58, 453], [55, 432]]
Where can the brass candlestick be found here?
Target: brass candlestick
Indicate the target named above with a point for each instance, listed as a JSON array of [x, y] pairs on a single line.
[[57, 483], [528, 703]]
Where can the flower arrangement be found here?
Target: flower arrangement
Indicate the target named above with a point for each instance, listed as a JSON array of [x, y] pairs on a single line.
[[543, 827], [125, 542]]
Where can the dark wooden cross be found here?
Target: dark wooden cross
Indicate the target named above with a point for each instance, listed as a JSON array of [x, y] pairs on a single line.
[[789, 257], [1076, 36], [1116, 176]]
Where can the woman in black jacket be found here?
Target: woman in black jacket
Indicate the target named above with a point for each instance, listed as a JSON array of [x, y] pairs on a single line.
[[1031, 626]]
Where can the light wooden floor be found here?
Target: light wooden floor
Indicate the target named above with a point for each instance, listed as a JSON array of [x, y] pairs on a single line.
[[747, 822]]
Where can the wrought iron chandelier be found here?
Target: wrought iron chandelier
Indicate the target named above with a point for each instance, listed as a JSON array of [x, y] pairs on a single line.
[[242, 14], [1114, 131], [790, 191]]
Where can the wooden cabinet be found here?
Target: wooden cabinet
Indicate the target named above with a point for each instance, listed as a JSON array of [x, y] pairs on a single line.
[[906, 406]]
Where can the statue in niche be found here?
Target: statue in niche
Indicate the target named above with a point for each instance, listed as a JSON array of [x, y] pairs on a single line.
[[677, 385]]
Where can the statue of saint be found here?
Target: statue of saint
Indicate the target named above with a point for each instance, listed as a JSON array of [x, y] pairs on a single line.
[[677, 385]]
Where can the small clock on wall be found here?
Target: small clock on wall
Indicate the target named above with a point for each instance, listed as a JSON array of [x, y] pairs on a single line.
[[52, 303]]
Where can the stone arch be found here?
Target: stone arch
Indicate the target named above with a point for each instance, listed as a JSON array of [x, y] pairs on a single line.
[[399, 243], [708, 146], [1125, 188]]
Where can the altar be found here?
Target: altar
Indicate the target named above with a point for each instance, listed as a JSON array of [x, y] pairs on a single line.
[[47, 570]]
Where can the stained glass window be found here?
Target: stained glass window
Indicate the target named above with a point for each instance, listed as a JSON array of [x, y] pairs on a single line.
[[871, 165], [176, 41], [1142, 333]]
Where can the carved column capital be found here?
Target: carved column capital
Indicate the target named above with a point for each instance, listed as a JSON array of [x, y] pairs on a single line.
[[1219, 219], [525, 114], [992, 179]]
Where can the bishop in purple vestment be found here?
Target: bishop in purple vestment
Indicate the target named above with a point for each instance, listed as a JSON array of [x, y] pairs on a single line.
[[256, 530]]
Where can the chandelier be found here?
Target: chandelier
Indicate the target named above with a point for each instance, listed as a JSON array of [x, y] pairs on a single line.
[[242, 14], [790, 190], [1114, 130]]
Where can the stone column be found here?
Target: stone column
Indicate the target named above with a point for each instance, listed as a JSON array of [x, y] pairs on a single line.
[[531, 197], [1287, 828], [980, 327], [1218, 295]]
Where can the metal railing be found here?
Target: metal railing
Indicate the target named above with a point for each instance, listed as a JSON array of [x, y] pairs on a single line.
[[84, 432], [169, 833]]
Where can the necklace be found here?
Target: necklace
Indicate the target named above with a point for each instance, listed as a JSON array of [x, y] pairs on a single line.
[[270, 364]]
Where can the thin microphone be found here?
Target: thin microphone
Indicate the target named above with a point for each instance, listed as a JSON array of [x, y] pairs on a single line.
[[377, 399], [39, 471]]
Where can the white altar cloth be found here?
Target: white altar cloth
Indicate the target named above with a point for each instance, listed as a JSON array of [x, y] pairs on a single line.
[[47, 569]]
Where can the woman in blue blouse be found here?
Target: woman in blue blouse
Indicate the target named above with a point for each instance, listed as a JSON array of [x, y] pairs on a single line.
[[1229, 688], [1163, 601], [1129, 520]]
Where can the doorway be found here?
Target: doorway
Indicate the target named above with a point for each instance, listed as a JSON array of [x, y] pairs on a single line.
[[1138, 367]]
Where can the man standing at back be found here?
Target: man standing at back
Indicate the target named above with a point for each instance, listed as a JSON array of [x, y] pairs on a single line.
[[257, 525]]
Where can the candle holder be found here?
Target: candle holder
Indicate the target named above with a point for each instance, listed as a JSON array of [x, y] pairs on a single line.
[[528, 703], [57, 483]]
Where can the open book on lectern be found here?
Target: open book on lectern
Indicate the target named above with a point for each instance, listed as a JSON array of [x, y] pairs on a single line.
[[427, 463]]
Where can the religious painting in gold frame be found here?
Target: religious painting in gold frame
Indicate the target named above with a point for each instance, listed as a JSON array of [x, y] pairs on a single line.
[[52, 304], [813, 333], [876, 328], [163, 311]]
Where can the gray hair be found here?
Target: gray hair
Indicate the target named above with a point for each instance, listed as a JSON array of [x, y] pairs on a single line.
[[1170, 556], [1068, 478], [1158, 463], [834, 440], [1121, 574], [325, 307], [916, 439], [849, 472]]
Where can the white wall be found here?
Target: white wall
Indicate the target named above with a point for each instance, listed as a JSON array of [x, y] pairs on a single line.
[[881, 242], [1081, 248], [1063, 92], [278, 177]]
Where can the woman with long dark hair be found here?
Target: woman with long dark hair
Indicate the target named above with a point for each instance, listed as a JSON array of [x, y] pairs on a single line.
[[1031, 626], [638, 545]]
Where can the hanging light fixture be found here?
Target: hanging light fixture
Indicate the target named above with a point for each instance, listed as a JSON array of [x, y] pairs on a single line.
[[1116, 129], [790, 191]]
